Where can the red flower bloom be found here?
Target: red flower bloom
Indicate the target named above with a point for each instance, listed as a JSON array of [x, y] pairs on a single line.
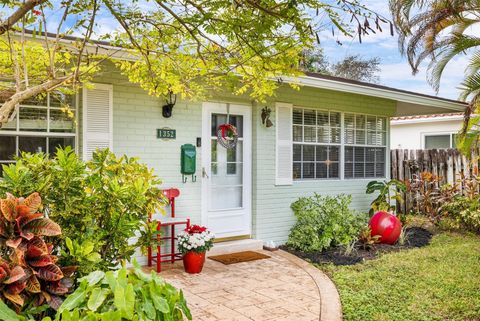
[[37, 12], [195, 229]]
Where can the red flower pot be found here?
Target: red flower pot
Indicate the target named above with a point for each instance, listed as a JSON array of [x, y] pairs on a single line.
[[193, 262], [387, 225]]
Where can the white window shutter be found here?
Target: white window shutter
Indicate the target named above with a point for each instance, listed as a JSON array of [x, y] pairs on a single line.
[[97, 119], [284, 147]]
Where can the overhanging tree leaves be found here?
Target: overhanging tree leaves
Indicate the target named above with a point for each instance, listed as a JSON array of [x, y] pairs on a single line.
[[188, 47]]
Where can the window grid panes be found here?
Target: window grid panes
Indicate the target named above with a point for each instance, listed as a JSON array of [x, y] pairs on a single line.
[[365, 146], [316, 148], [440, 141], [41, 124]]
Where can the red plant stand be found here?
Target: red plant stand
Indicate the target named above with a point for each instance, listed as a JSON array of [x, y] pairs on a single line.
[[172, 255]]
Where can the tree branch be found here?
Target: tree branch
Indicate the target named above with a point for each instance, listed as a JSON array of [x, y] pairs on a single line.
[[19, 14]]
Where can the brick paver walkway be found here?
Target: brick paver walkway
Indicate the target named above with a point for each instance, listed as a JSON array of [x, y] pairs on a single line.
[[279, 288]]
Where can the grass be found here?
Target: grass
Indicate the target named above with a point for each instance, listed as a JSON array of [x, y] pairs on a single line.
[[438, 282]]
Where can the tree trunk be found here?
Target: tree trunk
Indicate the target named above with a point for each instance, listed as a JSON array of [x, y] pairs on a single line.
[[9, 105]]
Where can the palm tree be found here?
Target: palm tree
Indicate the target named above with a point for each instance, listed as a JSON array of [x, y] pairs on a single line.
[[440, 30]]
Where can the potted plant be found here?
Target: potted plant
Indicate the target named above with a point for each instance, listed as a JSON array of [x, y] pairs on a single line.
[[193, 243]]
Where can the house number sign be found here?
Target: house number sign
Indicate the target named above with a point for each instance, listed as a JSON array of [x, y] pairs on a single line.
[[166, 133]]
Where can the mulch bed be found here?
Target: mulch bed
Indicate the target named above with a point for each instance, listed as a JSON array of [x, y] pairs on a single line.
[[416, 237]]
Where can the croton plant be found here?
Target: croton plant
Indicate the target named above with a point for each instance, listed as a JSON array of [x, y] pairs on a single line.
[[28, 270]]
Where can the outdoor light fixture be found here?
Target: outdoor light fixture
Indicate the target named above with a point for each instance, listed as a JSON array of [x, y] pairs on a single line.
[[266, 117], [168, 108]]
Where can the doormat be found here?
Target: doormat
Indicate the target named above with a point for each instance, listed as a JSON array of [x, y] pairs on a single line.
[[239, 257]]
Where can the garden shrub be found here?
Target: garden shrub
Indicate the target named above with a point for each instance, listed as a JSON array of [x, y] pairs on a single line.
[[100, 204], [464, 211], [29, 273], [323, 222], [118, 295]]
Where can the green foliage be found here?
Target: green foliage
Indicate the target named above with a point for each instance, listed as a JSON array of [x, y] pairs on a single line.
[[387, 191], [102, 202], [124, 295], [323, 222], [117, 295], [465, 212], [433, 283]]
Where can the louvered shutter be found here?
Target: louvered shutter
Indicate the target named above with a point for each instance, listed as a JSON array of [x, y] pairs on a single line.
[[97, 119], [284, 152]]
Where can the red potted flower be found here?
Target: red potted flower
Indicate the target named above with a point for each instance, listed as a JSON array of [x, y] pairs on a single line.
[[193, 243]]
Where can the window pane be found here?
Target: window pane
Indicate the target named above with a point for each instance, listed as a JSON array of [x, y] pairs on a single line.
[[348, 170], [297, 171], [40, 100], [231, 168], [349, 121], [348, 154], [323, 135], [61, 122], [370, 170], [309, 117], [322, 153], [382, 124], [380, 155], [333, 170], [360, 137], [56, 142], [333, 154], [308, 170], [380, 170], [323, 118], [359, 169], [349, 136], [33, 119], [371, 138], [360, 121], [308, 153], [7, 147], [297, 134], [59, 99], [359, 154], [237, 121], [297, 116], [335, 135], [32, 144], [322, 170], [370, 155], [214, 150], [297, 153], [335, 119], [371, 123], [437, 141], [310, 134], [11, 125]]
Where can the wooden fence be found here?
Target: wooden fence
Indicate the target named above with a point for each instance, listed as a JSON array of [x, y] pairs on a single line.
[[449, 164]]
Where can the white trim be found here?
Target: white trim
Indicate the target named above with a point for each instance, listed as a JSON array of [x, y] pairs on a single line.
[[238, 109], [375, 92], [109, 88], [426, 120], [423, 135]]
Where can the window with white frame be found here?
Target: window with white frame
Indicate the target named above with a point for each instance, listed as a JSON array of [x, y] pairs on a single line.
[[438, 141], [365, 139], [316, 144], [320, 151], [40, 125]]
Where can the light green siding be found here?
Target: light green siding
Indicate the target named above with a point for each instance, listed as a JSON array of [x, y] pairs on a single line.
[[137, 115]]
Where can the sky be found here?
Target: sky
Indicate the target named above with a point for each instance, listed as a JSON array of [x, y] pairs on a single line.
[[395, 70]]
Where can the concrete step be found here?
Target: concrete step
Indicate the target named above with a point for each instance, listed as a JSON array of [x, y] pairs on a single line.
[[235, 246]]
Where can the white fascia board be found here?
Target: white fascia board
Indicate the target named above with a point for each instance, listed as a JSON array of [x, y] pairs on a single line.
[[426, 120], [375, 92]]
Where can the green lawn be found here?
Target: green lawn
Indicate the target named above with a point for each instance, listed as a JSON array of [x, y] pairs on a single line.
[[438, 282]]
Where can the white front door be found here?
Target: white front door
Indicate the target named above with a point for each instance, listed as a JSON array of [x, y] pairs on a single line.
[[226, 173]]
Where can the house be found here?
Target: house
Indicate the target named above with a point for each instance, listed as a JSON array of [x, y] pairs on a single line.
[[425, 131], [331, 136]]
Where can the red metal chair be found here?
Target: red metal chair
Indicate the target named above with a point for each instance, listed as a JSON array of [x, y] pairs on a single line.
[[172, 255]]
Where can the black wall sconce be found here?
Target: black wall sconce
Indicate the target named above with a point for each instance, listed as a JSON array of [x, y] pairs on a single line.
[[266, 117], [168, 108]]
